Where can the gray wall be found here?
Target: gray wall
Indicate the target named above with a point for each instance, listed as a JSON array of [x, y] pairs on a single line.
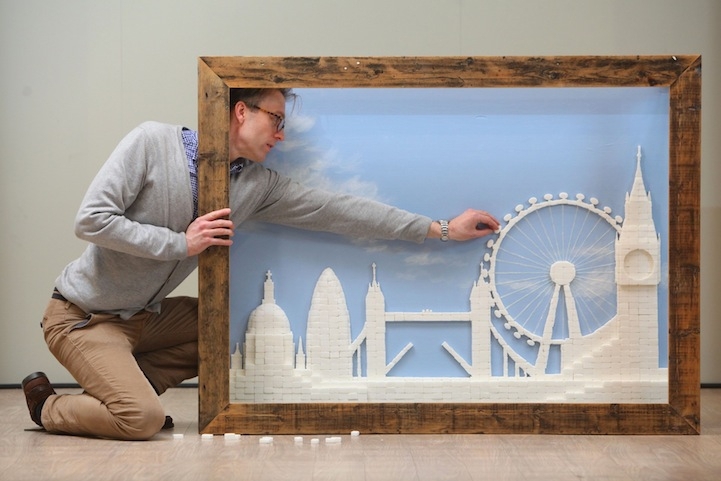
[[77, 75]]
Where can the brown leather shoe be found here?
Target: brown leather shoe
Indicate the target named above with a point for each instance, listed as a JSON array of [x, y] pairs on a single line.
[[37, 390], [168, 423]]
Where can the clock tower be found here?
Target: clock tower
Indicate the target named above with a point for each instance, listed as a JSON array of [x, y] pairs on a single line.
[[638, 273]]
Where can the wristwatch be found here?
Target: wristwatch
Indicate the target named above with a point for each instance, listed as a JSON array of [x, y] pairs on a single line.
[[444, 230]]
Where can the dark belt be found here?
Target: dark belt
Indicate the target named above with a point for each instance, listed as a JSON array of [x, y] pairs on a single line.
[[56, 295]]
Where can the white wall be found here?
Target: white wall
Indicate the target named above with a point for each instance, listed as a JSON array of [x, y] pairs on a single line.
[[77, 75]]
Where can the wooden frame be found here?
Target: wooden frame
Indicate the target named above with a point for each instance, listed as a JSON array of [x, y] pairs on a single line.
[[681, 74]]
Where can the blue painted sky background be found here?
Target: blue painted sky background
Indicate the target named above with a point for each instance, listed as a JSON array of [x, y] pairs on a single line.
[[438, 152]]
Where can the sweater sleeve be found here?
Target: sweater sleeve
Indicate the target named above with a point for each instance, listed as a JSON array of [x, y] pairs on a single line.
[[289, 203], [126, 207]]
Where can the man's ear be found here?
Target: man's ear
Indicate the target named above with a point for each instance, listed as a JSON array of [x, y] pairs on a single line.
[[239, 111]]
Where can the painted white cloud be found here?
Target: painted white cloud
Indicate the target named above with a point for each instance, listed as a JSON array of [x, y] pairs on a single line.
[[302, 159], [423, 259]]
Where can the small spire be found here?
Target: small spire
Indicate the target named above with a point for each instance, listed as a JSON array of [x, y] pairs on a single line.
[[268, 289], [638, 191], [300, 359]]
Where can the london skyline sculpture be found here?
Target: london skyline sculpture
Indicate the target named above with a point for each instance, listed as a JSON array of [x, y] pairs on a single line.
[[565, 309]]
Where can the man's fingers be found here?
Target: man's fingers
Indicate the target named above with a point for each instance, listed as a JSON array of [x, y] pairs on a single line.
[[216, 214], [220, 231]]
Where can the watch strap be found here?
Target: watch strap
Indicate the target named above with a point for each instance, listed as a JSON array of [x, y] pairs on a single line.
[[444, 230]]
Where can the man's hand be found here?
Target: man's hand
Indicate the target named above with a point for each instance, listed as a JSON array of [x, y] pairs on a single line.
[[207, 230], [471, 224]]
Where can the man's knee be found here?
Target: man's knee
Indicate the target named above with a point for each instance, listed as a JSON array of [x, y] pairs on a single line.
[[139, 421]]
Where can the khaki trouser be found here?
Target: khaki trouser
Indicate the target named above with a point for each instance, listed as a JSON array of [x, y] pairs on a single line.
[[123, 366]]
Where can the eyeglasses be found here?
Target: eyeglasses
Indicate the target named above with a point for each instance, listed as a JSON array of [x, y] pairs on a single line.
[[278, 121]]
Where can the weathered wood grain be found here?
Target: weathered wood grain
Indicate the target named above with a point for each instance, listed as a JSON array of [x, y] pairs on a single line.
[[213, 264], [626, 71], [685, 243], [459, 418]]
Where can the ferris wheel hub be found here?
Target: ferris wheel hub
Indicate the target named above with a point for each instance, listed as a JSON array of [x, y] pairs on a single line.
[[562, 272]]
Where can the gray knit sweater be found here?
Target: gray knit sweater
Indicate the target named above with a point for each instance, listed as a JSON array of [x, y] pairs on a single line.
[[136, 211]]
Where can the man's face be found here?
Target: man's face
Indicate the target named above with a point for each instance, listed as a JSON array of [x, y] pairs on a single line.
[[258, 132]]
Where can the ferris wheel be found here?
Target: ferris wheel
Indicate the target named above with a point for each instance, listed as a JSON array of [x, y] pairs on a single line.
[[551, 272]]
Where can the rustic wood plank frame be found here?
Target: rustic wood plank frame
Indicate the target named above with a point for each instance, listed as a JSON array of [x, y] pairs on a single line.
[[680, 73]]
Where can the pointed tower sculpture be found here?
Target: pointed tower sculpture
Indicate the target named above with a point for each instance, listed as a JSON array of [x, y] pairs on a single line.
[[638, 273], [375, 329], [480, 328]]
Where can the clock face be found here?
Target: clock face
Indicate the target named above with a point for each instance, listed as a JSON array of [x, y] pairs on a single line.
[[638, 264]]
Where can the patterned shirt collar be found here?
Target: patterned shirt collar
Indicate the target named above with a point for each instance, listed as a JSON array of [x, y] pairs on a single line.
[[190, 142]]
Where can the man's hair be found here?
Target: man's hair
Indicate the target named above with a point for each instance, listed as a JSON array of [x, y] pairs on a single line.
[[254, 96]]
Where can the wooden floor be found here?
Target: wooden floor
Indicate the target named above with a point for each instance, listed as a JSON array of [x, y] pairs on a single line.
[[33, 455]]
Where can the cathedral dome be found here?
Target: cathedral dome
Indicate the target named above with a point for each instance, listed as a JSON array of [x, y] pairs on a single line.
[[268, 319]]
